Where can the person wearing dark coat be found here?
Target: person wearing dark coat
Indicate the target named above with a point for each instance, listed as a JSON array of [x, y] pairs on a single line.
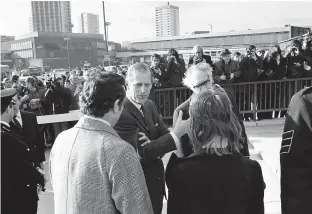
[[199, 56], [274, 66], [226, 70], [19, 177], [296, 155], [250, 66], [215, 178], [175, 69], [141, 125], [26, 125], [197, 78]]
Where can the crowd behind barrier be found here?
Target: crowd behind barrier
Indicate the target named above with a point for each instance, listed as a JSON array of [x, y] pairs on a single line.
[[264, 96], [261, 81]]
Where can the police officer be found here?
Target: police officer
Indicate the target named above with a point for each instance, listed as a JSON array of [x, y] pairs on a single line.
[[296, 155], [19, 177]]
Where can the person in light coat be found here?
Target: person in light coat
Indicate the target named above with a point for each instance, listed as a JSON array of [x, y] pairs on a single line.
[[92, 169]]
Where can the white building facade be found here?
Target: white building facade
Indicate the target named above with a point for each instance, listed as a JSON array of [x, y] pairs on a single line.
[[51, 16], [89, 23], [167, 21]]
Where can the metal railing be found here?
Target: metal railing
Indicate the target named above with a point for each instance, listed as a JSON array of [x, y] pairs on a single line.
[[250, 97]]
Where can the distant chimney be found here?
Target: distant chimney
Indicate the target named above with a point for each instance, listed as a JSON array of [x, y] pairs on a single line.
[[168, 3]]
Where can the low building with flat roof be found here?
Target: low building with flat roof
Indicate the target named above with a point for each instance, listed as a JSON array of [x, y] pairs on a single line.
[[212, 42], [50, 50]]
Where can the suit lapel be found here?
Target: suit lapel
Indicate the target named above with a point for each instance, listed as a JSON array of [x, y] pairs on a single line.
[[24, 121], [134, 111], [148, 116]]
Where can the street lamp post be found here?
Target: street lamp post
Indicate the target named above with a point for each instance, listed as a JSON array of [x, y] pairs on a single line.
[[67, 39], [210, 27]]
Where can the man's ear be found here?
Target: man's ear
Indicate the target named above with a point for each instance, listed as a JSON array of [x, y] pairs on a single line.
[[117, 106]]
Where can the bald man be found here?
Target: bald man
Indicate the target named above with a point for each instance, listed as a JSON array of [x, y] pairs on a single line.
[[199, 56]]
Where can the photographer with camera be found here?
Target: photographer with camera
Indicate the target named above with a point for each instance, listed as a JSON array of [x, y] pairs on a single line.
[[175, 69], [59, 99], [251, 66], [34, 97], [274, 66], [158, 70], [199, 57], [296, 61]]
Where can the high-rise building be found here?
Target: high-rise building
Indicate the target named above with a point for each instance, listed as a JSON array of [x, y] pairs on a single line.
[[89, 23], [51, 16], [167, 21]]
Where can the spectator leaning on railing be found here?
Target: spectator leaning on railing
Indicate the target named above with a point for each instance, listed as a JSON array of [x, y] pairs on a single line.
[[226, 70]]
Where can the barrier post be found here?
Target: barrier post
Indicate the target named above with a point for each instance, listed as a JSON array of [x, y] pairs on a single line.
[[254, 106]]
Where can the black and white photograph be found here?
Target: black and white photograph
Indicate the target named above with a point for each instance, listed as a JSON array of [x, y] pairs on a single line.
[[156, 107]]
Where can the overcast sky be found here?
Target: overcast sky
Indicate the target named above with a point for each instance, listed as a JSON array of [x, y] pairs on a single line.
[[132, 20]]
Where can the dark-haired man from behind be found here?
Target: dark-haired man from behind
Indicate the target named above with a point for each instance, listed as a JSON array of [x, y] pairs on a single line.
[[296, 155], [91, 167], [19, 177]]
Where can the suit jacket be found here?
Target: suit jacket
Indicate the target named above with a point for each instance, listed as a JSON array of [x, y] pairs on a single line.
[[19, 177], [130, 122], [202, 183], [94, 171], [32, 136]]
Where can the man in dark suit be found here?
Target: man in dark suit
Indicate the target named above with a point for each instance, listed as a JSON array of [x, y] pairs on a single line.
[[142, 127], [26, 125], [199, 57], [19, 177]]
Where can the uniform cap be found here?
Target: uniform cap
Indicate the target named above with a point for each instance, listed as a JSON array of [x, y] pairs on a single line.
[[8, 92]]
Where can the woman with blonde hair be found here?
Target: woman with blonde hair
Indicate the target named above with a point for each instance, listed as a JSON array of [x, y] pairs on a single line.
[[216, 178]]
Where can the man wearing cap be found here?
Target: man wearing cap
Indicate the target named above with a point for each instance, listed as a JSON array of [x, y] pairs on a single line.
[[296, 155], [199, 56], [19, 177], [226, 70]]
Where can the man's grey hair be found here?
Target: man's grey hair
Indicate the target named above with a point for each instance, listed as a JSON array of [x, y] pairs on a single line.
[[202, 66], [213, 125], [198, 47], [140, 67]]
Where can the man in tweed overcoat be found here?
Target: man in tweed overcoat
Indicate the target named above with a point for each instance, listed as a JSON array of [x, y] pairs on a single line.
[[92, 169]]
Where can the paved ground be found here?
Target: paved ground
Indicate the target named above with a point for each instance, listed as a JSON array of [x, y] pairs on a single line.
[[265, 139]]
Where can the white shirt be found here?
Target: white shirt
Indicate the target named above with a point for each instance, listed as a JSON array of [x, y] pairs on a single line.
[[98, 119], [19, 118], [138, 106], [5, 123]]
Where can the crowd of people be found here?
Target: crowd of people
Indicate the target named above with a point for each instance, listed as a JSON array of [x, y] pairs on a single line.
[[111, 160]]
